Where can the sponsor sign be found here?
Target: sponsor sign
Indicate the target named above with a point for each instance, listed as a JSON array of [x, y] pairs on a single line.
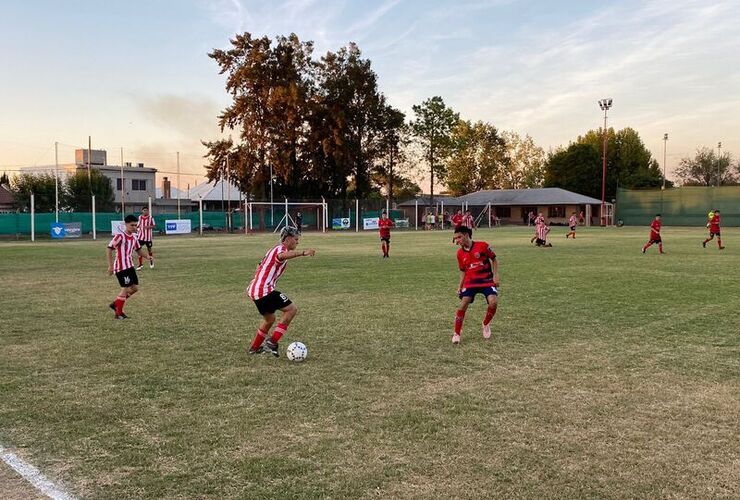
[[61, 230], [370, 223], [342, 223], [401, 222], [177, 226]]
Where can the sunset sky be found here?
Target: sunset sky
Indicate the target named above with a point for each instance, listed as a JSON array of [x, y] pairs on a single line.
[[135, 75]]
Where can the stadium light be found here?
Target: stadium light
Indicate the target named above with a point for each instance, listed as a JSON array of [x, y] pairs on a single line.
[[665, 145], [719, 156], [604, 104]]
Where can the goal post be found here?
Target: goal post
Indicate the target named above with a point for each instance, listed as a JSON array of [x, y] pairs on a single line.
[[273, 216]]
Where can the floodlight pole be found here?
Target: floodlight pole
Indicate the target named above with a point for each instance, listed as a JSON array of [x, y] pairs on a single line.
[[665, 145], [719, 157], [56, 182], [604, 104]]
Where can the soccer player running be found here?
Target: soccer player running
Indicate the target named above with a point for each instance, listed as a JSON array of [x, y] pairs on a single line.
[[714, 231], [479, 268], [124, 245], [145, 229], [267, 299], [572, 222], [655, 235], [384, 225]]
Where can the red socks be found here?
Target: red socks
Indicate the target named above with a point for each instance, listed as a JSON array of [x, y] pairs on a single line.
[[258, 339], [459, 317], [490, 313], [660, 247], [120, 301], [279, 332]]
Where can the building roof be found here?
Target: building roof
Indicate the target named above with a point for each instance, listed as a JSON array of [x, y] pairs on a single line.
[[424, 200], [518, 197], [213, 191], [6, 197]]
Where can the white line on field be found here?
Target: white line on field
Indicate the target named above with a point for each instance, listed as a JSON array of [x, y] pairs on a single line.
[[34, 476]]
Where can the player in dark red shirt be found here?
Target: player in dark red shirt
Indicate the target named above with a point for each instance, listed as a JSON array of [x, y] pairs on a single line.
[[477, 263], [457, 219], [714, 231], [384, 225], [655, 235]]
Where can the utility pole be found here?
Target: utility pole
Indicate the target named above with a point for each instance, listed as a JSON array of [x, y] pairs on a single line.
[[719, 158], [178, 185], [123, 187], [56, 181], [665, 145], [604, 104]]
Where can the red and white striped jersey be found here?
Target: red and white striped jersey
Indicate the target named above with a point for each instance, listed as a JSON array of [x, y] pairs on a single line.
[[125, 245], [542, 230], [144, 227], [467, 221], [573, 221], [267, 274]]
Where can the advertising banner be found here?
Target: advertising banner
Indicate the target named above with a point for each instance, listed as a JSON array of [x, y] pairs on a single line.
[[370, 223], [342, 223], [61, 230], [401, 223], [177, 226]]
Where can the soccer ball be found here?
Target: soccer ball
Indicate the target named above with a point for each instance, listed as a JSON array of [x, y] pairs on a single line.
[[297, 351]]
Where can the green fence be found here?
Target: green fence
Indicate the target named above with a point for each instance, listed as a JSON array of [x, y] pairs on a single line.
[[684, 206]]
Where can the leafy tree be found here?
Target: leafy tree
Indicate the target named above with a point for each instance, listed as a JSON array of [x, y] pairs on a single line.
[[393, 138], [527, 162], [42, 186], [433, 130], [79, 189], [4, 179], [703, 168], [478, 158], [574, 169]]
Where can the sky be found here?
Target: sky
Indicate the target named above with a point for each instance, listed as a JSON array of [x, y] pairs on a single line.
[[135, 75]]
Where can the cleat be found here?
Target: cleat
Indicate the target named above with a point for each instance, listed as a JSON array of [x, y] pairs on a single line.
[[456, 339], [151, 265], [721, 248], [259, 350], [643, 250], [139, 268], [704, 244], [121, 316], [112, 305], [271, 348], [486, 331]]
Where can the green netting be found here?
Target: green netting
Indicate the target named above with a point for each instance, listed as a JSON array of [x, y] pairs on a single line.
[[684, 206]]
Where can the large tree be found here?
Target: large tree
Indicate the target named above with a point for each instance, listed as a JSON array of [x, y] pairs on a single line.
[[433, 130], [574, 169], [392, 141], [478, 158], [705, 168], [81, 186], [42, 186], [527, 162]]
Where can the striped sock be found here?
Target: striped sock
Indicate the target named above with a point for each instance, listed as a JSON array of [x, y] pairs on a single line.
[[258, 339], [279, 331]]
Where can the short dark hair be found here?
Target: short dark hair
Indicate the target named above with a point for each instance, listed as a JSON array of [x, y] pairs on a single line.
[[145, 208], [464, 230], [716, 211], [658, 215], [131, 218]]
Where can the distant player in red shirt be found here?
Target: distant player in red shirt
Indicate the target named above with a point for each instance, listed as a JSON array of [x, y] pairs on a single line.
[[457, 219], [573, 223], [479, 268], [124, 245], [145, 228], [384, 225], [714, 231], [267, 299], [655, 235]]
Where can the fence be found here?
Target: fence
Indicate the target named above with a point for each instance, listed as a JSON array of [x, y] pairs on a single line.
[[684, 206]]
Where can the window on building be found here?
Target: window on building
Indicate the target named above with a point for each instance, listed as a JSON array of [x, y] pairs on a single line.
[[503, 212], [138, 184], [119, 184], [556, 211]]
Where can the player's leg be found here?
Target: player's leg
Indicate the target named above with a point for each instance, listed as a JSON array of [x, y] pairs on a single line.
[[465, 301], [660, 246], [719, 242], [289, 311], [647, 245], [151, 254], [388, 247], [711, 237], [267, 322], [492, 300]]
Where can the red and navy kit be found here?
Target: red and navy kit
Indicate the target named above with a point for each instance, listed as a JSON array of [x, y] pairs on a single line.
[[385, 225], [457, 219], [714, 226], [476, 263], [655, 231]]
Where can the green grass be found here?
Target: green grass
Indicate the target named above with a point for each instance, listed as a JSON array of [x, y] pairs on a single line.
[[611, 374]]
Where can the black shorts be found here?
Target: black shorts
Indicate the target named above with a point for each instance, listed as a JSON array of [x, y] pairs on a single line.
[[657, 240], [573, 228], [387, 240], [127, 277], [713, 234], [540, 243], [272, 302], [147, 244]]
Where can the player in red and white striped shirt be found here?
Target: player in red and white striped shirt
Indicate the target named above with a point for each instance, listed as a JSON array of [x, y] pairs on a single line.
[[540, 219], [542, 231], [145, 229], [572, 222], [267, 299], [124, 245]]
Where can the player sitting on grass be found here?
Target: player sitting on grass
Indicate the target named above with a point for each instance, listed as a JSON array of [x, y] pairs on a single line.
[[124, 244], [541, 232], [479, 268], [268, 300]]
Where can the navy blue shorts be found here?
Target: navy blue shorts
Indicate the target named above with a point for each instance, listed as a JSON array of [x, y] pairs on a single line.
[[472, 292]]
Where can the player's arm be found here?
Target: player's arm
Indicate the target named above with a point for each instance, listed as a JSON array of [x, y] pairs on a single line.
[[462, 280], [142, 253], [109, 253], [494, 267], [292, 254]]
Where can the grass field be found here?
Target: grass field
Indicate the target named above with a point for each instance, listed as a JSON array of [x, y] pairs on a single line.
[[611, 374]]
